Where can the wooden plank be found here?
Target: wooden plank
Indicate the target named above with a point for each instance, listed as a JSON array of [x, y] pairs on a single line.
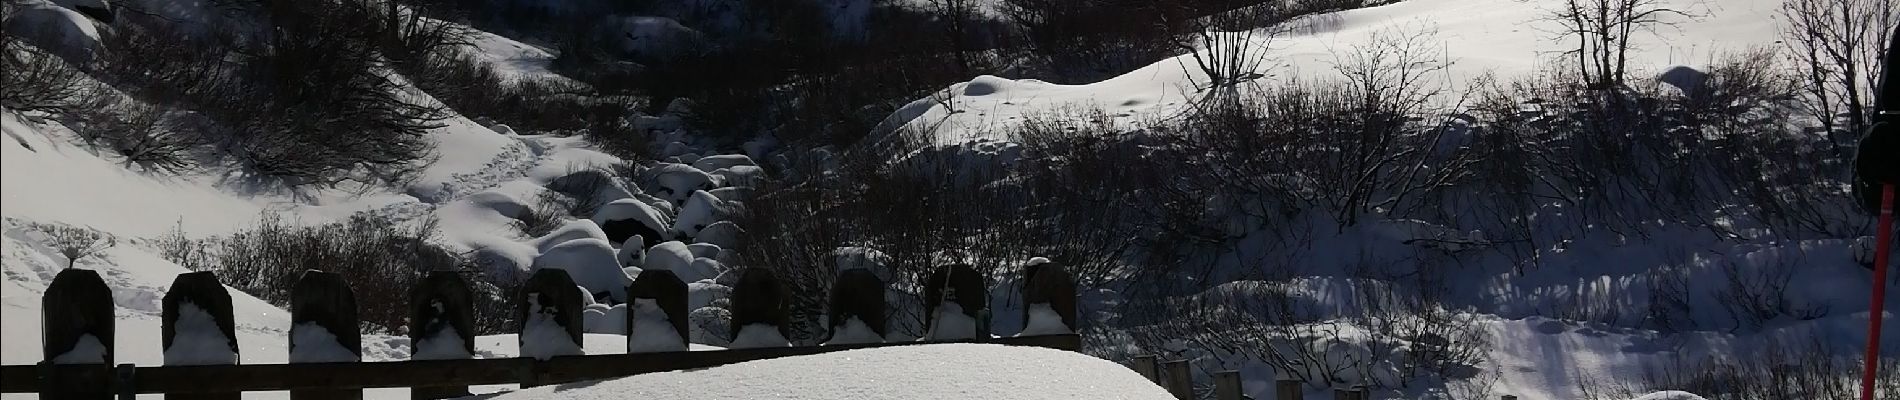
[[1288, 389], [438, 373], [323, 300], [203, 291], [666, 291], [759, 299], [857, 293], [1050, 284], [1227, 385], [76, 308], [441, 303], [1147, 367], [960, 284], [1180, 380], [549, 296]]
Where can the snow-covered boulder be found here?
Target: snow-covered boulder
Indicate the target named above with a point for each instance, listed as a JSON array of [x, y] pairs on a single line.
[[632, 253], [677, 182], [591, 262], [715, 163], [671, 255], [704, 250], [744, 176], [572, 230], [701, 210], [625, 218], [62, 31], [602, 318], [723, 234]]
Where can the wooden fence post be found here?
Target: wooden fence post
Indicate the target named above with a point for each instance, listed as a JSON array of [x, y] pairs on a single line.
[[549, 297], [1180, 380], [1509, 397], [1051, 284], [857, 293], [1342, 394], [77, 326], [1288, 389], [1227, 385], [199, 294], [759, 299], [1145, 365], [963, 285], [666, 291], [323, 300], [441, 326]]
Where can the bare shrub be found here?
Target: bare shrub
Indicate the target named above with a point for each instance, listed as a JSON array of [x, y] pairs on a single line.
[[38, 81], [1602, 31], [76, 242], [142, 135], [1837, 46]]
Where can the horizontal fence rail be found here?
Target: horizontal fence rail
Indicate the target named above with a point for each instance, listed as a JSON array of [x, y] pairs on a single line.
[[77, 316]]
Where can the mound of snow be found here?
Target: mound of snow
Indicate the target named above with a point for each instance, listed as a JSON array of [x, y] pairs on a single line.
[[312, 343], [197, 339], [632, 252], [947, 371], [591, 263], [1043, 320], [570, 231], [952, 324], [633, 209], [702, 209], [854, 331], [672, 256], [1670, 395], [542, 337], [677, 182]]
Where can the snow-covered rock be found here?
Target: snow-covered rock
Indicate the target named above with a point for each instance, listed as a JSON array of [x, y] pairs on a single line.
[[677, 182], [602, 318], [715, 163], [632, 253], [579, 229], [592, 263], [700, 210], [625, 218], [723, 234], [672, 256]]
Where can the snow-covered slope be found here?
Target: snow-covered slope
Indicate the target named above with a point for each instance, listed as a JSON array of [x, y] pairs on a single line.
[[949, 371], [1507, 38]]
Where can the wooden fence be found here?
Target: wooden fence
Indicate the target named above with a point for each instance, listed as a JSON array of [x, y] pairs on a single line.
[[1175, 376], [78, 307]]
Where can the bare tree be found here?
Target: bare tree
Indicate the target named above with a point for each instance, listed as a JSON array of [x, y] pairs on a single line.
[[1837, 44], [1602, 30], [1229, 45]]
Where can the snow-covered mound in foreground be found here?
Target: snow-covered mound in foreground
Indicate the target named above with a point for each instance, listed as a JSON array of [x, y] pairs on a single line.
[[1670, 395], [944, 371]]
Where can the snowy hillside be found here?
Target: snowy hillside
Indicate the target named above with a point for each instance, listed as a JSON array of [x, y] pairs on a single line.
[[1446, 297]]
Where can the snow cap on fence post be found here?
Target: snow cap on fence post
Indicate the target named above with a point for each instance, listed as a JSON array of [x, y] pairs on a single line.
[[324, 325], [656, 291], [197, 326], [956, 301], [759, 318], [1048, 298], [550, 314], [856, 309]]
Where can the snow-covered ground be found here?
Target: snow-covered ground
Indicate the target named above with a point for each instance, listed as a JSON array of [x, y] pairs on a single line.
[[951, 371]]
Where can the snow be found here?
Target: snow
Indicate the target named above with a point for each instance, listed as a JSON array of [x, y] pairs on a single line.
[[88, 350], [947, 371], [447, 344], [704, 292], [573, 230], [700, 210], [602, 318], [722, 234], [542, 337], [952, 324], [1670, 395], [758, 335], [651, 330], [196, 339], [633, 209], [72, 32], [671, 256], [1043, 320], [591, 263], [716, 163], [677, 182], [632, 252], [312, 343], [854, 331]]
